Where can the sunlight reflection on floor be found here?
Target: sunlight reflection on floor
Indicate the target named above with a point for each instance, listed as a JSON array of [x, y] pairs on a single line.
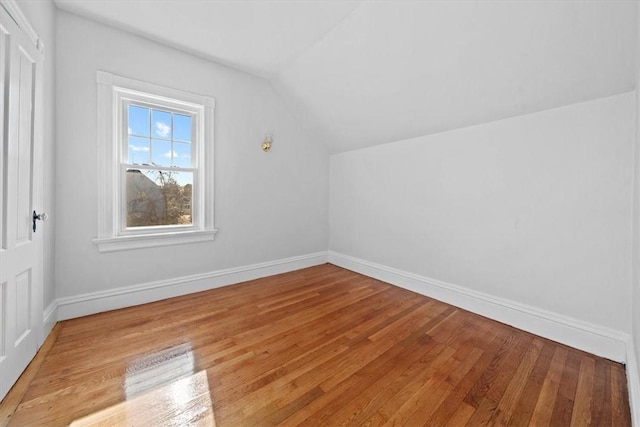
[[161, 390], [157, 369]]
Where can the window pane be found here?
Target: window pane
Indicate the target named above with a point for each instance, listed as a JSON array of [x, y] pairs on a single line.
[[138, 121], [181, 127], [158, 197], [161, 152], [138, 150], [161, 124], [182, 154]]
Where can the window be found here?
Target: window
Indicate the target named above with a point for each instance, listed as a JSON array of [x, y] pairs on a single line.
[[156, 165]]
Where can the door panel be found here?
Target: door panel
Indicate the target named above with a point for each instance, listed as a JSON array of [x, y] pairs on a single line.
[[21, 254], [23, 305], [24, 149], [5, 52], [3, 318]]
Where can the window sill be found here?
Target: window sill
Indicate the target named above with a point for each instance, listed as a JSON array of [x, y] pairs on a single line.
[[123, 243]]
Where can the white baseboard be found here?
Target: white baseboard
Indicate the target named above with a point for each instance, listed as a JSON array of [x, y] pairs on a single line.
[[585, 336], [633, 383], [112, 299], [605, 342], [595, 339], [49, 318]]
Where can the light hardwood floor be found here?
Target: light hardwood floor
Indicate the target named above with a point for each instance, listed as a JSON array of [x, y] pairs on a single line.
[[322, 347]]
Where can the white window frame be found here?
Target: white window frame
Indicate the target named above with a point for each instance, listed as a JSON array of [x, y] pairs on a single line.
[[114, 95], [125, 98]]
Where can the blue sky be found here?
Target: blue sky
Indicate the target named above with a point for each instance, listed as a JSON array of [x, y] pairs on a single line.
[[160, 138]]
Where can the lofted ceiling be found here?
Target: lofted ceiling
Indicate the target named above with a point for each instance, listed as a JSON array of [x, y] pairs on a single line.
[[361, 73]]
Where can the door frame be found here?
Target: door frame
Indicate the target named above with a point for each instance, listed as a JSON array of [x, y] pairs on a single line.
[[12, 7]]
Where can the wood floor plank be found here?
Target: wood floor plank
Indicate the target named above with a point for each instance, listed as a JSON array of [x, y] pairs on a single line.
[[460, 417], [403, 369], [543, 411], [524, 410], [601, 414], [517, 383], [329, 412], [431, 396], [429, 366], [563, 407], [318, 346], [455, 400], [582, 404], [481, 387], [498, 379], [620, 414]]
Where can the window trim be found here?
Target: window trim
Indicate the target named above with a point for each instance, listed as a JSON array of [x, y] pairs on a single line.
[[112, 91]]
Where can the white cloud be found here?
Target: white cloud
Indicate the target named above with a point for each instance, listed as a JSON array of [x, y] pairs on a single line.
[[130, 131], [163, 129], [138, 148], [170, 154]]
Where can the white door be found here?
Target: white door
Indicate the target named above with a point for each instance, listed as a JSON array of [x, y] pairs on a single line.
[[21, 186]]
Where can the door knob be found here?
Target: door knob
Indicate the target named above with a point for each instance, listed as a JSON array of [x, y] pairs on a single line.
[[39, 217]]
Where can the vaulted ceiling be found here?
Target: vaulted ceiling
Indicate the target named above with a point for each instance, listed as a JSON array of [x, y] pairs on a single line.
[[361, 73]]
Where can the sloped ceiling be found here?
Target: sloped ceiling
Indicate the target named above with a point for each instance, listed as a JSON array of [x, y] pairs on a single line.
[[359, 74]]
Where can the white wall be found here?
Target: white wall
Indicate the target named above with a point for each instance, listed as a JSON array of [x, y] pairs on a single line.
[[535, 209], [41, 15], [268, 206], [633, 372]]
